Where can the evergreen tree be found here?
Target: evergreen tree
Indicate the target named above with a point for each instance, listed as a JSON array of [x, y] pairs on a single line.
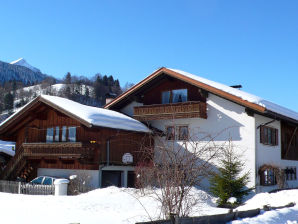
[[117, 84], [228, 182], [67, 79], [105, 80], [67, 92], [8, 101], [87, 92]]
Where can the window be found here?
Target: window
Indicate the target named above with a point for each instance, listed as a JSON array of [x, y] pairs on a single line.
[[50, 134], [37, 180], [174, 96], [268, 136], [165, 97], [183, 133], [290, 173], [170, 133], [72, 134], [67, 134], [63, 135], [179, 95], [268, 177], [57, 134]]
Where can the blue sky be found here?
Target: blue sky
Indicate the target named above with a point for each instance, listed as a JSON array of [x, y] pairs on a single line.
[[253, 43]]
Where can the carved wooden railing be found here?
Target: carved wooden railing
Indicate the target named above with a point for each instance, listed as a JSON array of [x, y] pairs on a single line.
[[171, 111], [60, 150]]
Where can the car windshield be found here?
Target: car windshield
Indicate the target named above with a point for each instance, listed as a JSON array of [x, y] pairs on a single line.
[[37, 180], [48, 181]]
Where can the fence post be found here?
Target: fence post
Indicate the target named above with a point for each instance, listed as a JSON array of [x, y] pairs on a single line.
[[19, 188]]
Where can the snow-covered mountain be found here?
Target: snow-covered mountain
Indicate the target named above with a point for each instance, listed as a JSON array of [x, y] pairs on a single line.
[[20, 70], [23, 62]]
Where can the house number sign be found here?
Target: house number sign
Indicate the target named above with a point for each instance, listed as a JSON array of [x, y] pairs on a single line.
[[127, 158]]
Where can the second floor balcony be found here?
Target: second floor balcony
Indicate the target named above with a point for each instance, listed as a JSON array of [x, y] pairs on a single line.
[[59, 150], [191, 109]]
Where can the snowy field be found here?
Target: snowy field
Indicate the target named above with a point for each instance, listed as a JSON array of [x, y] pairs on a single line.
[[118, 206], [107, 206]]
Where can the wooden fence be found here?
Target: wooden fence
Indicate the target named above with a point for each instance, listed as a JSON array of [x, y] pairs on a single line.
[[26, 188]]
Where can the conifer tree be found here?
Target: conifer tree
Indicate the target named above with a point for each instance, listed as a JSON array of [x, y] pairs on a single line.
[[8, 101], [229, 182]]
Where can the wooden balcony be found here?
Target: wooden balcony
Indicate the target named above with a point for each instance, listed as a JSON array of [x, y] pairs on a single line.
[[58, 150], [190, 109]]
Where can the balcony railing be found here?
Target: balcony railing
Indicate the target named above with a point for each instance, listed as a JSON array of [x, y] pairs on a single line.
[[189, 109], [58, 149]]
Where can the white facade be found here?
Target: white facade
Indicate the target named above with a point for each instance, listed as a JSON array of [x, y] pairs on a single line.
[[268, 154], [228, 120], [65, 173]]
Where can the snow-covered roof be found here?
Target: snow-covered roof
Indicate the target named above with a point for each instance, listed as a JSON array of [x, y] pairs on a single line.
[[7, 147], [238, 96], [243, 95], [93, 116]]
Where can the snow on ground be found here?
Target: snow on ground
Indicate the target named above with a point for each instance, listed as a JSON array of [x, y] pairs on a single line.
[[279, 216], [109, 206], [120, 206]]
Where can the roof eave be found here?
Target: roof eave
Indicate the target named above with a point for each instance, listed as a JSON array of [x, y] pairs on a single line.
[[184, 78], [60, 109]]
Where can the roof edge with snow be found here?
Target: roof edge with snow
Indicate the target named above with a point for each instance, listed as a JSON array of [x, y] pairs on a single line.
[[86, 115], [240, 97]]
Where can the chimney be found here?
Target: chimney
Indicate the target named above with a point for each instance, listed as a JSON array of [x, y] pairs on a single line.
[[236, 86], [110, 96]]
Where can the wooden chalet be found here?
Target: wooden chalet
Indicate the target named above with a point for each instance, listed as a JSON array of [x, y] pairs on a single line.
[[53, 133], [154, 99], [178, 102]]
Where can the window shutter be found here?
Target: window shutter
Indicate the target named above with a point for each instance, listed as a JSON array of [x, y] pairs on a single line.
[[262, 178], [262, 134], [276, 136]]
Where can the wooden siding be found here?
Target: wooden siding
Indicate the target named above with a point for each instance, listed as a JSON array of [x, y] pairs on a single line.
[[88, 152], [171, 111], [153, 95], [117, 103], [289, 141]]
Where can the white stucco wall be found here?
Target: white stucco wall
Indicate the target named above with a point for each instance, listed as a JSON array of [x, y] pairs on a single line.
[[229, 120], [226, 120], [65, 173], [128, 109], [267, 154]]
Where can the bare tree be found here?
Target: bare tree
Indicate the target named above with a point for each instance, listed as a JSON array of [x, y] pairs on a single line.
[[180, 163], [79, 183]]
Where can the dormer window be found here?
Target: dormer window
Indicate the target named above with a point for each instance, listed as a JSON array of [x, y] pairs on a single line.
[[174, 96]]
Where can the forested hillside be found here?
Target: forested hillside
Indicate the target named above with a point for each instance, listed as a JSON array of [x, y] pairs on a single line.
[[93, 91]]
